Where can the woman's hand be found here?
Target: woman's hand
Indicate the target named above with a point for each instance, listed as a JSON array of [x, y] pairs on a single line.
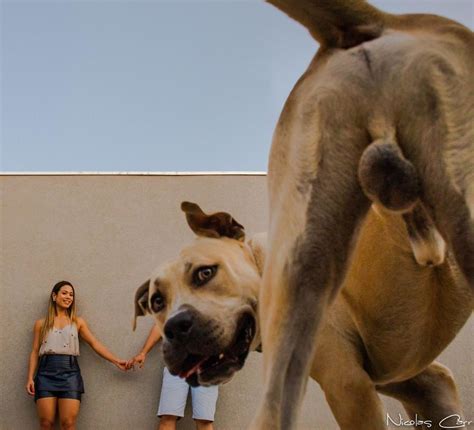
[[33, 363], [30, 387], [121, 364]]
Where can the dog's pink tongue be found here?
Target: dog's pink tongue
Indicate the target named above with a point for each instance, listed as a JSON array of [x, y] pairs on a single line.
[[193, 369]]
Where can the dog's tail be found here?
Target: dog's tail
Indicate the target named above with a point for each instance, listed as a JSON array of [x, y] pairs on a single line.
[[336, 23]]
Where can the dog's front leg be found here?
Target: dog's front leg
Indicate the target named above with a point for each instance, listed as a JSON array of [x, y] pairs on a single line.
[[309, 247]]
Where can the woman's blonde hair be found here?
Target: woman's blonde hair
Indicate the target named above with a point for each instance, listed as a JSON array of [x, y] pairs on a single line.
[[52, 309]]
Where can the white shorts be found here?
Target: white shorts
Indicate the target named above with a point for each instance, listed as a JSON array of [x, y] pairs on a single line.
[[174, 392]]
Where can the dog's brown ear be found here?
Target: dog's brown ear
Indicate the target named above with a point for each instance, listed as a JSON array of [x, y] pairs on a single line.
[[219, 224], [141, 302]]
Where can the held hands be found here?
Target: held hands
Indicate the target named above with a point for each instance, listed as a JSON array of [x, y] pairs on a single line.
[[138, 360], [121, 364], [30, 387]]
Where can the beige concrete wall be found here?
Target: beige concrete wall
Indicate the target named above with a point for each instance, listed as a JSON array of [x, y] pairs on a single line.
[[105, 234]]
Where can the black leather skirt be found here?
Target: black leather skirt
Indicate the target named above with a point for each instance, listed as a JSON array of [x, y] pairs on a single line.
[[58, 373]]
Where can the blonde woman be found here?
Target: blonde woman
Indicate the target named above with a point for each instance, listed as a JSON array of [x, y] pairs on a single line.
[[58, 383]]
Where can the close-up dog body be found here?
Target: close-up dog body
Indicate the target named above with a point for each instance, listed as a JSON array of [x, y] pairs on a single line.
[[381, 334], [397, 86]]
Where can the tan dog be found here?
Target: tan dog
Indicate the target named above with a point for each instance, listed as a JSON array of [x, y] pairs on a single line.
[[392, 318], [384, 113], [205, 301]]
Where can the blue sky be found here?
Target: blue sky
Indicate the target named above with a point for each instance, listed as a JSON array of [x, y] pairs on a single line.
[[152, 85]]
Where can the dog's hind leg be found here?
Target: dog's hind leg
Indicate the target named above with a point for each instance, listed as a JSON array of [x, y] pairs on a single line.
[[437, 135], [313, 226], [450, 214], [338, 367], [431, 395], [297, 289], [453, 220]]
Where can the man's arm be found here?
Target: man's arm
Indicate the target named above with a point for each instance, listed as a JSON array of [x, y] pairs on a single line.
[[153, 337]]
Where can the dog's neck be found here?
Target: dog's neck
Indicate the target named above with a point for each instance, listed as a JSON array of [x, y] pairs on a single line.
[[258, 248]]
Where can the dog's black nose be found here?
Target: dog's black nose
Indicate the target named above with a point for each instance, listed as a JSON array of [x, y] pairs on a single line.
[[178, 328]]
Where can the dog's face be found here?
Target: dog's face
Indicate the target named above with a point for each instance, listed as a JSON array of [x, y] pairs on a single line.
[[205, 302]]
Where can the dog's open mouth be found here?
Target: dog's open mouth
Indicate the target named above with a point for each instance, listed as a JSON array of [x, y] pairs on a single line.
[[197, 367]]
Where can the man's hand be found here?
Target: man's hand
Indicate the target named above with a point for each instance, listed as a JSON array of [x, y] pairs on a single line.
[[138, 360]]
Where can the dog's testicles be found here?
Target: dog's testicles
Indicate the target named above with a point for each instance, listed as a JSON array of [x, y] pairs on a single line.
[[387, 178], [391, 181]]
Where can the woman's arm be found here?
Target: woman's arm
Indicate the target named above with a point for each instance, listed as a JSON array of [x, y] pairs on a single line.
[[87, 335], [33, 363], [153, 337]]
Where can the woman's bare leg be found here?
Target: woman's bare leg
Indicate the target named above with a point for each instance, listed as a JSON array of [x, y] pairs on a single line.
[[68, 411], [46, 408]]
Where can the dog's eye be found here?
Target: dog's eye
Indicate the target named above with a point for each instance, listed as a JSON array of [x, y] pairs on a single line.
[[157, 302], [203, 275]]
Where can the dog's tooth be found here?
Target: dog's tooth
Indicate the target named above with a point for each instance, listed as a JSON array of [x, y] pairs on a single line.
[[221, 356]]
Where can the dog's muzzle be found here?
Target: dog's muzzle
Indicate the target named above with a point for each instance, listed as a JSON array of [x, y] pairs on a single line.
[[192, 349]]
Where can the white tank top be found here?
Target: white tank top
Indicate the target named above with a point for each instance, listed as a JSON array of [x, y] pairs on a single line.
[[61, 341]]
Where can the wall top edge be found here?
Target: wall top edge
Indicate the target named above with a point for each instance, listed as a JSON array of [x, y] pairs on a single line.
[[236, 173]]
